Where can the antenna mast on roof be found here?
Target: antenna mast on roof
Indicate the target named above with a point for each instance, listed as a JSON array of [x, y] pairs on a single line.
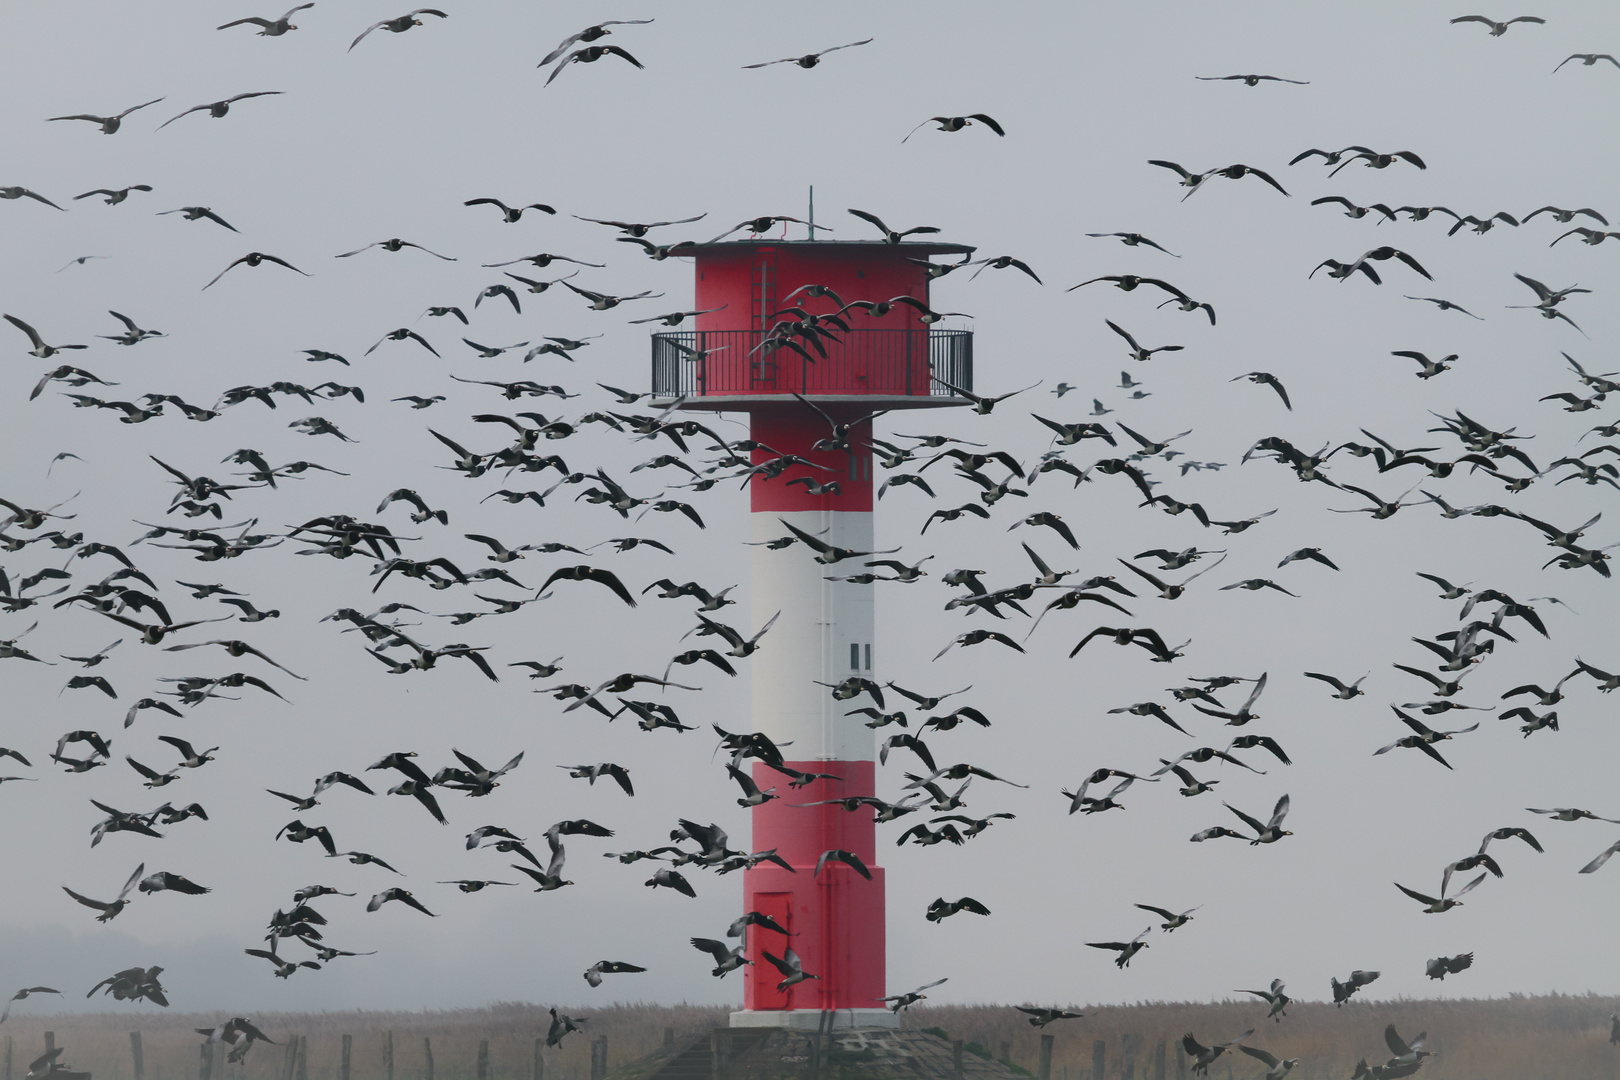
[[811, 226]]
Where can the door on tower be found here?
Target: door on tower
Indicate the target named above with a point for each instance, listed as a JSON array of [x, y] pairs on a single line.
[[763, 296]]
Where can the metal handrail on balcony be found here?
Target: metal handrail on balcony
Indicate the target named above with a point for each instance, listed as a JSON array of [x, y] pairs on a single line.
[[711, 363]]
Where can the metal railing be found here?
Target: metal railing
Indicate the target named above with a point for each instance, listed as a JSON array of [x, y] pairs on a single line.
[[913, 363]]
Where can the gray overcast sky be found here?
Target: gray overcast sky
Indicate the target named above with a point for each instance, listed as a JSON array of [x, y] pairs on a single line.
[[391, 138]]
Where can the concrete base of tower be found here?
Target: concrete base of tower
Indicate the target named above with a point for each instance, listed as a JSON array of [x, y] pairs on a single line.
[[814, 1019]]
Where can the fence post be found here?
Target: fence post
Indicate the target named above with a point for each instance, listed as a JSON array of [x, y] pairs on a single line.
[[343, 1065], [1128, 1067], [539, 1062], [50, 1041], [1181, 1061], [137, 1059], [427, 1056], [7, 1074], [483, 1060], [956, 1058], [303, 1057], [388, 1055], [599, 1058], [205, 1060], [1158, 1061], [1044, 1070], [1099, 1059]]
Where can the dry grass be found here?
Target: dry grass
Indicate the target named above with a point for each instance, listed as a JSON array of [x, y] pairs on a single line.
[[99, 1043], [1516, 1038]]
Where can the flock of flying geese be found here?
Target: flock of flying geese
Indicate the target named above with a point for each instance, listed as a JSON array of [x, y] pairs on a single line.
[[37, 540]]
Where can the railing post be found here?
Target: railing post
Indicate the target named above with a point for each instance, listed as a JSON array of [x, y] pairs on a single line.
[[930, 333]]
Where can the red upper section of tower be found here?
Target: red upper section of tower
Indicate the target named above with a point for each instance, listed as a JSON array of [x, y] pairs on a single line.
[[741, 351]]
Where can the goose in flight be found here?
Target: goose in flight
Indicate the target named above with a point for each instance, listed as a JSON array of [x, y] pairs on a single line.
[[109, 124], [1272, 830], [24, 193], [1587, 60], [791, 968], [110, 908], [1275, 997], [890, 236], [397, 25], [1276, 1068], [40, 349], [588, 35], [1497, 28], [1132, 239], [809, 60], [218, 109], [1039, 1018], [270, 27], [1126, 949], [590, 55], [957, 123], [254, 258], [1250, 80], [1433, 906]]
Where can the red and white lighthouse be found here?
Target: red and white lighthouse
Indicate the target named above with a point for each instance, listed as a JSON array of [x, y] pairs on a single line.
[[824, 633]]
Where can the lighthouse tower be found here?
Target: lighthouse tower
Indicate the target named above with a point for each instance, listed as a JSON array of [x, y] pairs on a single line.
[[824, 633]]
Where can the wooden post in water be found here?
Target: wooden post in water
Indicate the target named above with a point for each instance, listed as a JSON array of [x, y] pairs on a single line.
[[1158, 1061], [205, 1060], [1044, 1070], [599, 1058], [343, 1063], [303, 1058], [137, 1059], [539, 1062], [388, 1055], [1128, 1067], [956, 1058], [1099, 1059], [427, 1056]]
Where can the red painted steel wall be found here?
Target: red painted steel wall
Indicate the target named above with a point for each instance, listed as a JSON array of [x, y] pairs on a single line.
[[838, 918], [750, 282], [792, 428]]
